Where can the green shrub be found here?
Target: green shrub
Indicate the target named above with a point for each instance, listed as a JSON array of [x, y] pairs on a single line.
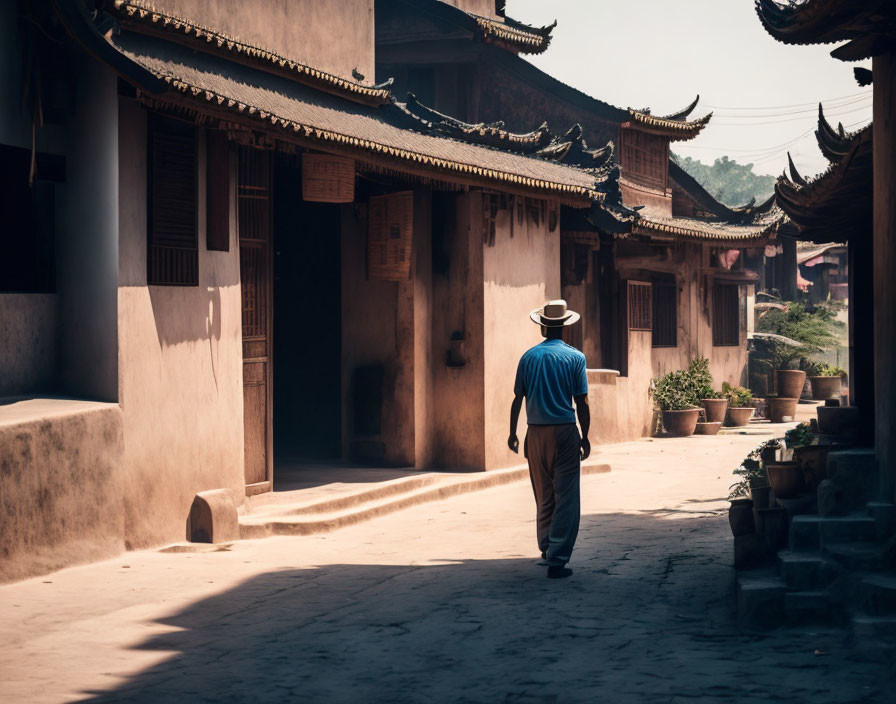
[[738, 396], [815, 368], [684, 388], [815, 330]]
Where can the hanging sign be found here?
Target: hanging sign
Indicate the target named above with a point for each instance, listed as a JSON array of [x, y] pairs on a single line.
[[327, 178], [390, 233]]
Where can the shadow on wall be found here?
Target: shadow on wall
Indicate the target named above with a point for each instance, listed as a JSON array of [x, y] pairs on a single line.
[[186, 314], [643, 617]]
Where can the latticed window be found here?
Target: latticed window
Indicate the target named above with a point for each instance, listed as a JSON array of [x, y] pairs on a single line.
[[665, 313], [644, 157], [172, 256], [725, 314], [640, 305]]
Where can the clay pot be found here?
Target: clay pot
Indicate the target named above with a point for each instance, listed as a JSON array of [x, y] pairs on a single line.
[[715, 409], [813, 462], [740, 517], [842, 421], [786, 479], [681, 423], [790, 382], [737, 417], [707, 428], [773, 525], [825, 387], [762, 496], [780, 410]]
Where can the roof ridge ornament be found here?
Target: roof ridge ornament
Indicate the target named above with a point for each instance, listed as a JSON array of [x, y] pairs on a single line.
[[684, 112]]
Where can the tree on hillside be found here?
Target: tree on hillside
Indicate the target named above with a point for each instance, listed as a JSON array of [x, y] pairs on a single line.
[[729, 182]]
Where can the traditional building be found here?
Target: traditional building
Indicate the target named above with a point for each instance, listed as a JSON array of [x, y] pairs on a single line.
[[227, 246], [680, 283]]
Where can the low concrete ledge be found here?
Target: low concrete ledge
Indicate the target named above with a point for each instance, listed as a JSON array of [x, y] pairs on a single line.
[[213, 517]]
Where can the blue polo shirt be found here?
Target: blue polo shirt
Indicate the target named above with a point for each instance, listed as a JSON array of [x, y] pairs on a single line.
[[549, 375]]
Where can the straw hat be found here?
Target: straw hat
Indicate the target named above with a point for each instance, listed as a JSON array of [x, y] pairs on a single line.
[[554, 314]]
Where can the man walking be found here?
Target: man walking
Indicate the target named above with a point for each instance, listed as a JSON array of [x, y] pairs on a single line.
[[549, 377]]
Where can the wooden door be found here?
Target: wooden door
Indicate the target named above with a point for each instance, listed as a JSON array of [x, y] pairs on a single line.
[[255, 227]]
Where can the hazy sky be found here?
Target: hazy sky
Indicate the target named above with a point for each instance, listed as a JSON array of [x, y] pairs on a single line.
[[661, 53]]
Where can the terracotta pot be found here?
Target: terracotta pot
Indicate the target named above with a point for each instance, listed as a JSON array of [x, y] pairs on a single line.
[[762, 496], [715, 409], [681, 423], [825, 387], [707, 428], [790, 382], [842, 421], [786, 479], [773, 525], [813, 462], [740, 517], [737, 417], [780, 410]]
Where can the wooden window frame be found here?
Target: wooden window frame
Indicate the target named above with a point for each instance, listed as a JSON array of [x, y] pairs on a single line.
[[639, 295], [665, 312], [726, 323], [172, 257]]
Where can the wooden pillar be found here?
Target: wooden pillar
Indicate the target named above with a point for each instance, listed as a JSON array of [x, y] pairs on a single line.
[[788, 269], [884, 68], [861, 327]]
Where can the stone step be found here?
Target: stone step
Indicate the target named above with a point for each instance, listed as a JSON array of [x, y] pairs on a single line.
[[812, 607], [760, 599], [857, 557], [806, 570], [810, 532], [855, 473], [328, 515], [874, 628], [878, 594], [884, 515]]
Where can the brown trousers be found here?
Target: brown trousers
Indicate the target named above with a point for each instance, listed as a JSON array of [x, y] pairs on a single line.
[[554, 466]]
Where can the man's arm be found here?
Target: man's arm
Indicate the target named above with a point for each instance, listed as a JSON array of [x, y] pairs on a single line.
[[584, 414], [513, 442]]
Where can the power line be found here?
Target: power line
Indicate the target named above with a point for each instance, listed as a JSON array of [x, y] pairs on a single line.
[[828, 107], [796, 105], [787, 119]]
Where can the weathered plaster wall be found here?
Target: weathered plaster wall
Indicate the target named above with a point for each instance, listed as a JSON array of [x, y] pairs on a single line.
[[59, 485], [87, 240], [28, 340], [180, 363], [458, 391], [377, 329], [332, 35], [521, 270], [884, 68]]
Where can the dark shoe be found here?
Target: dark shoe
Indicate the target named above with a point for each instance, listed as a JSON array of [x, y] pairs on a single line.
[[558, 572]]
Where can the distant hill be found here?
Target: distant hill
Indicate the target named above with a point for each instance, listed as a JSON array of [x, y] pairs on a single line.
[[729, 182]]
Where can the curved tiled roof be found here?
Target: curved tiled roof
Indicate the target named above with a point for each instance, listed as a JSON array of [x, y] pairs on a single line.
[[515, 35], [867, 26], [298, 113], [134, 14], [676, 129], [690, 229]]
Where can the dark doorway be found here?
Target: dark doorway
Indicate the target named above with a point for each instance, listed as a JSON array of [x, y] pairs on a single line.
[[308, 330]]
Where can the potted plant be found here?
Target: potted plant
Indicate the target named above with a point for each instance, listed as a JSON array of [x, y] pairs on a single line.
[[826, 380], [800, 331], [740, 404], [780, 409], [714, 402], [678, 396], [676, 399], [809, 456]]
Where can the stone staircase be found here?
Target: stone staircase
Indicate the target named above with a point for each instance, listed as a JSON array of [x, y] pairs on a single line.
[[839, 566]]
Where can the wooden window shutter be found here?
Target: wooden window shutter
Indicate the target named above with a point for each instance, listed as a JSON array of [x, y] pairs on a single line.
[[217, 195], [173, 257], [640, 304], [725, 314], [665, 313]]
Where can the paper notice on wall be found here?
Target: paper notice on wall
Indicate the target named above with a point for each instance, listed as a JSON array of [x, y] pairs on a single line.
[[390, 234]]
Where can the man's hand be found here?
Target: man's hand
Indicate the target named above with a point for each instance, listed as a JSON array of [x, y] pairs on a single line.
[[513, 443], [585, 448]]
